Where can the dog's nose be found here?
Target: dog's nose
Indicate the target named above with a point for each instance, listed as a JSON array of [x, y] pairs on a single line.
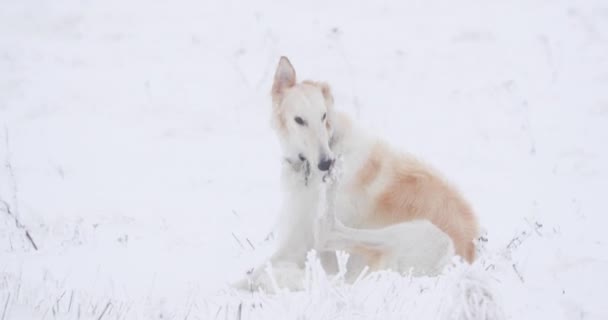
[[325, 164]]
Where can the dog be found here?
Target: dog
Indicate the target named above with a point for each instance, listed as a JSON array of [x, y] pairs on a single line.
[[346, 190]]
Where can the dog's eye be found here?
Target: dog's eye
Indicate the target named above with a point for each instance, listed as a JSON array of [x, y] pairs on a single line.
[[324, 116], [299, 121]]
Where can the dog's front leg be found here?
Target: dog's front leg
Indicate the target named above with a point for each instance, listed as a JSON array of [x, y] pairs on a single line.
[[300, 208], [295, 237], [327, 222]]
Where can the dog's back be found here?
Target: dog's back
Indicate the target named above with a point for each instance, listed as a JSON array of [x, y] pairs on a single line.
[[388, 188]]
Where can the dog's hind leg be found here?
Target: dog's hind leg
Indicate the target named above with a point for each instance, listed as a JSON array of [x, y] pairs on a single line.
[[417, 245], [331, 234]]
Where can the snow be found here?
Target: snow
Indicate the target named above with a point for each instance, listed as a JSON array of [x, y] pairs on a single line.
[[137, 150]]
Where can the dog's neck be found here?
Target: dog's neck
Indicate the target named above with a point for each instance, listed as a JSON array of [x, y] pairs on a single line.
[[342, 128]]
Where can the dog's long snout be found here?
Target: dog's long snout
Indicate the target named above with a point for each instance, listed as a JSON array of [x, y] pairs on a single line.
[[325, 164]]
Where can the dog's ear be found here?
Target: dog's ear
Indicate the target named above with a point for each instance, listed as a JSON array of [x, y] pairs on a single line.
[[326, 90], [284, 77]]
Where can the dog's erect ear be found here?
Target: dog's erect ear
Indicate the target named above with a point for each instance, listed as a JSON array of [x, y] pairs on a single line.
[[284, 77]]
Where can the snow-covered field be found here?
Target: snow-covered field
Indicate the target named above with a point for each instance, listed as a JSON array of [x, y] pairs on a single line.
[[136, 150]]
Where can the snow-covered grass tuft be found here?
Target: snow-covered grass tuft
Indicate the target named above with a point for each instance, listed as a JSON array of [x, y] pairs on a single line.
[[469, 292], [462, 291], [487, 289]]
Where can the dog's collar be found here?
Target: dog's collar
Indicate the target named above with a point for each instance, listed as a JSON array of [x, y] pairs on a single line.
[[295, 162], [299, 164]]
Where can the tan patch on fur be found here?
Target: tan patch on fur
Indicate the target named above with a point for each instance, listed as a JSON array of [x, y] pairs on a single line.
[[280, 119], [400, 199], [371, 169], [416, 193]]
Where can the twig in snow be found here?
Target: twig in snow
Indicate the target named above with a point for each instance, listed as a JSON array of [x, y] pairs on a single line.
[[250, 244], [521, 278], [9, 211], [71, 298], [18, 291], [218, 312], [104, 310], [57, 301], [47, 311], [519, 239], [269, 236], [361, 275], [7, 207], [11, 172], [237, 240], [514, 242], [29, 237], [536, 226], [6, 305]]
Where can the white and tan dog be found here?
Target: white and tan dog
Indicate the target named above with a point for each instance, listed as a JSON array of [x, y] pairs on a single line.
[[385, 208]]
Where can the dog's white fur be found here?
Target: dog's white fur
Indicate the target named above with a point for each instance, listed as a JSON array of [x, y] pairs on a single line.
[[387, 210]]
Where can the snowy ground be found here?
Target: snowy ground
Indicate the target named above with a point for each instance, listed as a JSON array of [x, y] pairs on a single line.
[[137, 151]]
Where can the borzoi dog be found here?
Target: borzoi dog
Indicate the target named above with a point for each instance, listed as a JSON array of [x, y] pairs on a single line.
[[345, 190]]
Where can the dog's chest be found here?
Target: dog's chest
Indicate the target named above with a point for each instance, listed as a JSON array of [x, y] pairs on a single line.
[[354, 203], [351, 205]]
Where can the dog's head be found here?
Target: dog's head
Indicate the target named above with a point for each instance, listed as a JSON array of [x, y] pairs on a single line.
[[302, 114]]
